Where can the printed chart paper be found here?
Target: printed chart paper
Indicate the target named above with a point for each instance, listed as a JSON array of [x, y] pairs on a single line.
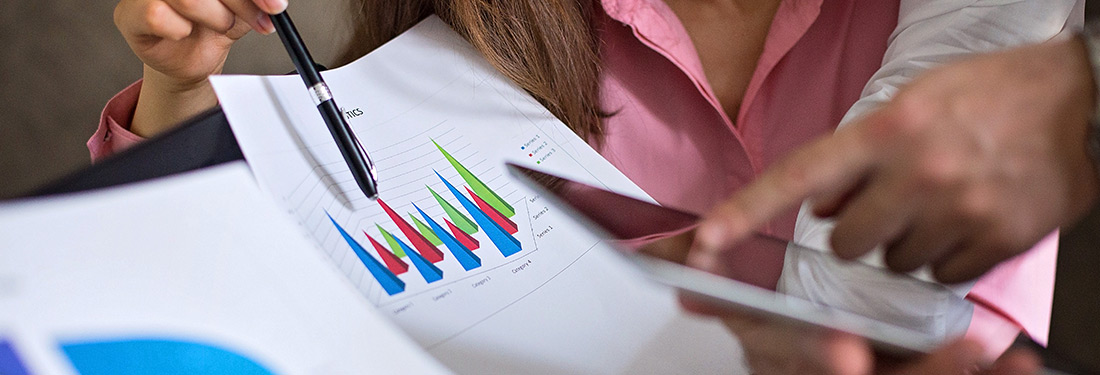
[[194, 274], [475, 267]]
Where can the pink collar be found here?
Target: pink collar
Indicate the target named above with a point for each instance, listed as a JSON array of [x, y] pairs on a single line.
[[655, 24]]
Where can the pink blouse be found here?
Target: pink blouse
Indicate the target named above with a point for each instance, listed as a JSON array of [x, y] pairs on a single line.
[[668, 125]]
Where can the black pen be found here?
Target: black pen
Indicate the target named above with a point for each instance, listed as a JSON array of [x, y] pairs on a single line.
[[362, 168]]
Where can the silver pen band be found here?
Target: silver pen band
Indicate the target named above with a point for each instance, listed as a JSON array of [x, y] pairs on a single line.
[[320, 93]]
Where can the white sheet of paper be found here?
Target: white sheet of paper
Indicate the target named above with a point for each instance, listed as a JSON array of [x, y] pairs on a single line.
[[555, 300], [205, 258]]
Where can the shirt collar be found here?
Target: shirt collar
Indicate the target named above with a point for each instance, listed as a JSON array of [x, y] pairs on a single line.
[[659, 28]]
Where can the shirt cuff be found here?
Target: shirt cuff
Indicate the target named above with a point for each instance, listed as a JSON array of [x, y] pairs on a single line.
[[993, 330], [113, 134], [1017, 295]]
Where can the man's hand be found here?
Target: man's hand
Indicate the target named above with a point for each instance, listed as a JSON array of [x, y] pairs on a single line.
[[969, 165]]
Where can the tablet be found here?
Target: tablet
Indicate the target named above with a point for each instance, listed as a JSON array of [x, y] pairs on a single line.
[[741, 288]]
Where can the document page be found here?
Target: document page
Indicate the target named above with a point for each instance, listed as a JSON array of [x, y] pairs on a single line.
[[197, 273], [475, 267]]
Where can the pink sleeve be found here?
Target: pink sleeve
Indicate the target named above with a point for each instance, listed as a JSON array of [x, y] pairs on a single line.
[[1016, 295], [113, 134]]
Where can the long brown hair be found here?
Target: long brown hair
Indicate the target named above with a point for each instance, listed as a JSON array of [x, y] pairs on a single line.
[[548, 47]]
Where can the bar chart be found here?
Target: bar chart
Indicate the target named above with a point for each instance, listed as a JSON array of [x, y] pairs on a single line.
[[423, 235], [456, 251]]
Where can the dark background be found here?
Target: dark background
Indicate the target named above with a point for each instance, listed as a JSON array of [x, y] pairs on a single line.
[[63, 59]]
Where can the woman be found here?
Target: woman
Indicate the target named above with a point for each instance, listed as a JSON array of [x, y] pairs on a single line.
[[690, 99]]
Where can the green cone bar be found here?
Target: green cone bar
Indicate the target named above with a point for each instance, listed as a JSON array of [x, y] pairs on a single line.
[[426, 231], [459, 220], [479, 187], [397, 250]]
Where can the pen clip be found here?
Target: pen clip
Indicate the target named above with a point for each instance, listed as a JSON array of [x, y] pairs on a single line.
[[362, 151]]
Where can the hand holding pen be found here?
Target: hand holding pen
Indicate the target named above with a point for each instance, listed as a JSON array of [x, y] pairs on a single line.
[[181, 43], [184, 42]]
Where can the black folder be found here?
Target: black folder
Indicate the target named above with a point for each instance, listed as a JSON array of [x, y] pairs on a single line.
[[202, 141]]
